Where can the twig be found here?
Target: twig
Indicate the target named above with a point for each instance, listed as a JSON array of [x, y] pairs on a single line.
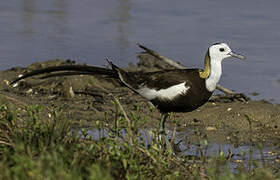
[[6, 143], [18, 101], [147, 153], [127, 120], [15, 100], [178, 66], [163, 58], [224, 90], [173, 135], [123, 111]]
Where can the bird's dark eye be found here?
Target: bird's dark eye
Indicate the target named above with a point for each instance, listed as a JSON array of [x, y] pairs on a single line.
[[222, 49]]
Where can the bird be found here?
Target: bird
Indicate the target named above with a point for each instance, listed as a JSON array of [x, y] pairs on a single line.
[[170, 90]]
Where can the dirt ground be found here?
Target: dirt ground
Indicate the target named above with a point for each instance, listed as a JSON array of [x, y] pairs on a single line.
[[223, 117]]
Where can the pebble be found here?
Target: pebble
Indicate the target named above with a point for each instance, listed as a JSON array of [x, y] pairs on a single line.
[[29, 91], [238, 161], [272, 153], [6, 82], [210, 128]]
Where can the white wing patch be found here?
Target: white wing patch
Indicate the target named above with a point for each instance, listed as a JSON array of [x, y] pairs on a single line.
[[168, 93]]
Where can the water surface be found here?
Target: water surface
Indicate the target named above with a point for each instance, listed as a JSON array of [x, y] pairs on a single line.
[[89, 31], [247, 155]]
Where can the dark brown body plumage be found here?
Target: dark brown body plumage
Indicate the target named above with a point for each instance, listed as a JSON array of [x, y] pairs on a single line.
[[195, 97]]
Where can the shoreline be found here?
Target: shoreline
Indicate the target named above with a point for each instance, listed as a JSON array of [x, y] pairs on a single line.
[[222, 118]]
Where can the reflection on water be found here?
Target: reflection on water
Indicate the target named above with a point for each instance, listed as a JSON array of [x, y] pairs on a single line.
[[245, 153], [27, 17], [123, 18], [249, 155], [92, 30]]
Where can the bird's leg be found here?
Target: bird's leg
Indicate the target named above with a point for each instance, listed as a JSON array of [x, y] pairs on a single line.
[[162, 133]]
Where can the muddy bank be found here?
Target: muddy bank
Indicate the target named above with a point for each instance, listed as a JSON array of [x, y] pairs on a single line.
[[84, 101]]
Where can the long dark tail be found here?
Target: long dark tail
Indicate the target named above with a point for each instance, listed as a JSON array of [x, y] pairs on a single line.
[[69, 70]]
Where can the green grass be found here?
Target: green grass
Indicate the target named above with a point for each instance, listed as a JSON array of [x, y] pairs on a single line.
[[36, 146]]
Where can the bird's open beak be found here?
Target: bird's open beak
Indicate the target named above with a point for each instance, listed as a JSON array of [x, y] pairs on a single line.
[[239, 56]]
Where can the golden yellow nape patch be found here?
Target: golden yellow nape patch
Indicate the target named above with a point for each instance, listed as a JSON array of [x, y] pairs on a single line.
[[206, 72], [203, 74]]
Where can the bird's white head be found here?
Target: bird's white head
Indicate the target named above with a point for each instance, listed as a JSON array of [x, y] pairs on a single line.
[[213, 68], [220, 51]]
